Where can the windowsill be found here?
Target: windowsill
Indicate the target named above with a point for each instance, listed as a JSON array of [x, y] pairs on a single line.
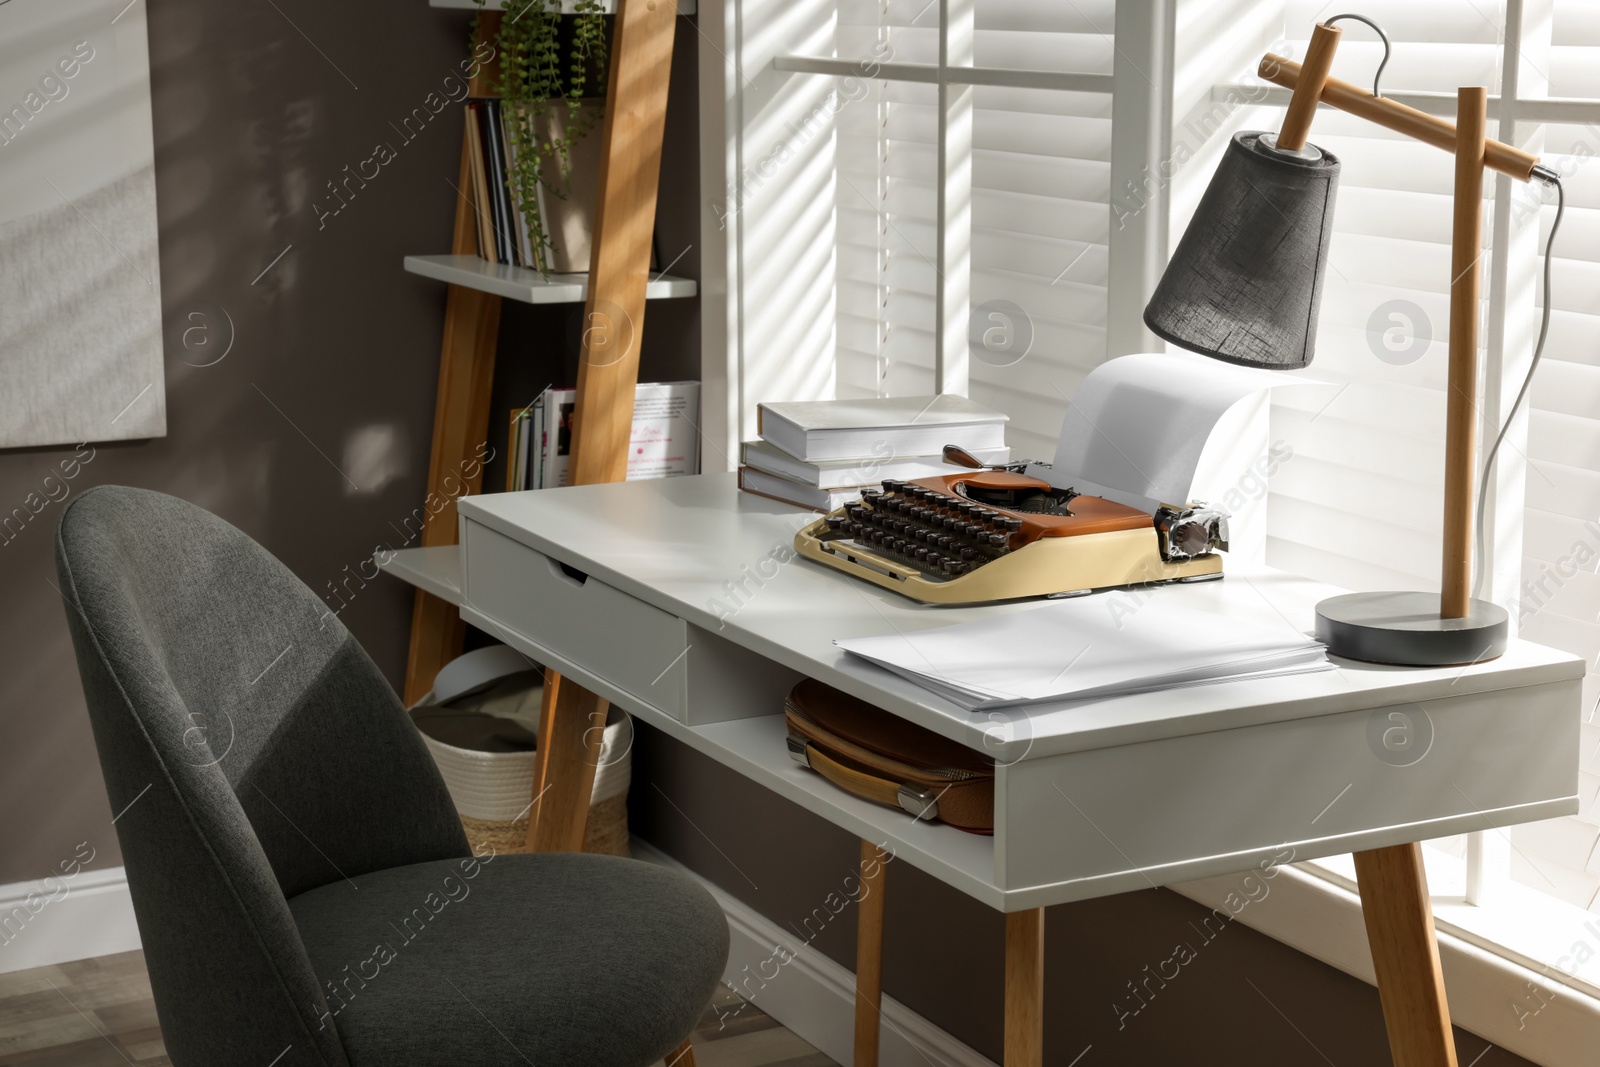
[[1527, 927], [1498, 962]]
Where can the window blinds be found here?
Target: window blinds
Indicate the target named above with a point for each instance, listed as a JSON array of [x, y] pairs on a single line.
[[1040, 219], [1559, 598], [1028, 35], [885, 200], [1039, 212], [886, 205], [1575, 34]]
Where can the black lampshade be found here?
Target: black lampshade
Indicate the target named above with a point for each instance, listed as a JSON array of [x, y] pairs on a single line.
[[1246, 281]]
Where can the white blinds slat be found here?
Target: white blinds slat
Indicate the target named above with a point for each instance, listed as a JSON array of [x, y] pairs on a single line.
[[1092, 17]]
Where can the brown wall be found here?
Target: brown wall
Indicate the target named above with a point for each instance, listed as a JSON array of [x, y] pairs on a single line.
[[250, 121], [334, 350]]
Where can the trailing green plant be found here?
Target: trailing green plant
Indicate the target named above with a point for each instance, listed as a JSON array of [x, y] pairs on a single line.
[[547, 59]]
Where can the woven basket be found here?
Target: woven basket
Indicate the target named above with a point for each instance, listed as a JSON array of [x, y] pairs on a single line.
[[606, 835], [496, 688], [492, 789]]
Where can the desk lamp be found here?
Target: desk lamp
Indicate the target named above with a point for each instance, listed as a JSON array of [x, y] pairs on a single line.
[[1245, 283]]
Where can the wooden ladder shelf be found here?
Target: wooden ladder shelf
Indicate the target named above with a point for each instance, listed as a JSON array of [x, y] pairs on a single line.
[[608, 372]]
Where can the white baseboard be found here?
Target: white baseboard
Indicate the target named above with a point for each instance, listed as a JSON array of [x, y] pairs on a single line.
[[66, 919], [812, 995]]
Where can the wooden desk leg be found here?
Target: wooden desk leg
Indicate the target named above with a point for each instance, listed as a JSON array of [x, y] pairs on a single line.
[[682, 1056], [1025, 988], [1394, 901], [869, 956], [571, 728]]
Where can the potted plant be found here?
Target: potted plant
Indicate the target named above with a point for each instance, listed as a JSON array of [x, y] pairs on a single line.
[[551, 84]]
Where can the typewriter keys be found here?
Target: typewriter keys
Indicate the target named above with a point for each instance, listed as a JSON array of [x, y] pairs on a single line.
[[939, 533]]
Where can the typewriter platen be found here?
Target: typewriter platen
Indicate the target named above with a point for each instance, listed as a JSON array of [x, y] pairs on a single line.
[[1000, 535]]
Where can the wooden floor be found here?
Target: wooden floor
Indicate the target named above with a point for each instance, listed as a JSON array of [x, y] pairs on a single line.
[[98, 1013]]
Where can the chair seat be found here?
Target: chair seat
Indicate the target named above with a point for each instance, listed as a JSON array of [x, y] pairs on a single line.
[[547, 959]]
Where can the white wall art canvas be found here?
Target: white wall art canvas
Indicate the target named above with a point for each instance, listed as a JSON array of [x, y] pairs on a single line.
[[80, 286]]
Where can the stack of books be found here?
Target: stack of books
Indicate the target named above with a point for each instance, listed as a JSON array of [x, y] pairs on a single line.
[[502, 232], [664, 441], [821, 454]]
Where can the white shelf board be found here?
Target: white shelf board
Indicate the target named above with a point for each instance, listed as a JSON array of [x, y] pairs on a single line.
[[436, 570], [568, 7], [755, 748], [530, 286]]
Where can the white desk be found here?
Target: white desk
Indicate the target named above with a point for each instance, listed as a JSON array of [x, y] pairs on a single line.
[[686, 605]]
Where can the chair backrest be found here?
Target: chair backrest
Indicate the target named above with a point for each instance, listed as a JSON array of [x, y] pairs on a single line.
[[251, 751]]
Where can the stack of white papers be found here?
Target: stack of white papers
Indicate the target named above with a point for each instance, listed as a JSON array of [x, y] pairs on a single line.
[[1080, 649]]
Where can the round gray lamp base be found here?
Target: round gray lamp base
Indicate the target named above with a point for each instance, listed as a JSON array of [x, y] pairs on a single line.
[[1405, 629]]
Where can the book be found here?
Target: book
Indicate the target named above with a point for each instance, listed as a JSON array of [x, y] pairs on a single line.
[[490, 205], [478, 195], [549, 421], [536, 447], [815, 430], [664, 441], [848, 473], [499, 192], [525, 252], [522, 450], [1078, 650], [788, 491], [513, 452], [498, 171]]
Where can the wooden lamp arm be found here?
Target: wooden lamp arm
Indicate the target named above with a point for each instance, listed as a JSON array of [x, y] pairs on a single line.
[[1441, 133], [1313, 75]]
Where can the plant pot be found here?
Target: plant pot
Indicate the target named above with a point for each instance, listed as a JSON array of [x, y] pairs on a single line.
[[569, 220]]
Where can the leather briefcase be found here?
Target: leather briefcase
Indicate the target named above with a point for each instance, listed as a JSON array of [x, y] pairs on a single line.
[[883, 758]]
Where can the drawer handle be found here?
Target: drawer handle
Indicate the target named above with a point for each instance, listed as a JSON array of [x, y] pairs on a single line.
[[571, 574]]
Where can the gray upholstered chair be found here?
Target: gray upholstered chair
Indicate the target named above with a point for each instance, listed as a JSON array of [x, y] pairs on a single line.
[[303, 888]]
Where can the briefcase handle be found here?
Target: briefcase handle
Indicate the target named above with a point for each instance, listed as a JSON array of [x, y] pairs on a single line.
[[917, 801]]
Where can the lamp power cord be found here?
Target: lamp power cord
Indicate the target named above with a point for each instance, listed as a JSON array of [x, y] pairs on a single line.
[[1551, 178]]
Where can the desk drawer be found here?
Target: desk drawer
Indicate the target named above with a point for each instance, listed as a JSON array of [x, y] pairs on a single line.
[[578, 618]]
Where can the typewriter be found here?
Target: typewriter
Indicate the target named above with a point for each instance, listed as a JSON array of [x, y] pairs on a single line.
[[999, 534]]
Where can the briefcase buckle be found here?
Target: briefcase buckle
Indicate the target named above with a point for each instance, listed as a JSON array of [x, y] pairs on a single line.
[[919, 802]]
